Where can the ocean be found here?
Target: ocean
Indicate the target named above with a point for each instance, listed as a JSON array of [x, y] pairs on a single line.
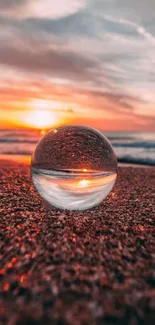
[[130, 147]]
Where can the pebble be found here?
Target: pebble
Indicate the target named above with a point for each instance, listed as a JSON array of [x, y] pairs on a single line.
[[77, 268]]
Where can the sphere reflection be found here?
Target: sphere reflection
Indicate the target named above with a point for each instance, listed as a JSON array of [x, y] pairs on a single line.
[[74, 167]]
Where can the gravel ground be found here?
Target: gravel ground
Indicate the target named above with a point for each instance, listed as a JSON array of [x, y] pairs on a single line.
[[77, 268]]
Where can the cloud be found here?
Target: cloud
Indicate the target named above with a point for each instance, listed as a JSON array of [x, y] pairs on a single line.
[[101, 53], [78, 97], [54, 9], [38, 8], [79, 104], [7, 4], [138, 28], [141, 11], [57, 63]]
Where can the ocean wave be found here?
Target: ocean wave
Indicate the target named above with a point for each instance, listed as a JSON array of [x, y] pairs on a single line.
[[5, 140], [138, 161], [117, 138], [140, 144], [23, 153], [136, 148]]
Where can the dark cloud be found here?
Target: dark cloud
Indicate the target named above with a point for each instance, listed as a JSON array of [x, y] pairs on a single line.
[[56, 63], [77, 24], [124, 101], [108, 95], [83, 23], [140, 10], [7, 4]]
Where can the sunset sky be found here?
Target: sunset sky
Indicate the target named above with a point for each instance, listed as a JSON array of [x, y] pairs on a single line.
[[78, 61]]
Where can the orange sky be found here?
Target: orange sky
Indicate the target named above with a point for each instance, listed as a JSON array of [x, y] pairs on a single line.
[[84, 63], [42, 105]]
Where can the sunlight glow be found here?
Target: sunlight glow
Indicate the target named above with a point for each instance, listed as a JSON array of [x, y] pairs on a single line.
[[41, 119], [84, 183], [45, 104], [42, 132]]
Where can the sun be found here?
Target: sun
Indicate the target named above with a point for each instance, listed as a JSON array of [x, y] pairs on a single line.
[[41, 119], [84, 183]]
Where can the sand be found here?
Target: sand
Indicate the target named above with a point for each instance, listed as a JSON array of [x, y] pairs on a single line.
[[77, 268]]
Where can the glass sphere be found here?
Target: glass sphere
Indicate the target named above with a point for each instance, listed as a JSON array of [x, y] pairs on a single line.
[[74, 167]]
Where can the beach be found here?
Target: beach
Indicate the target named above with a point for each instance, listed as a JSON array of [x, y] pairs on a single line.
[[77, 268]]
